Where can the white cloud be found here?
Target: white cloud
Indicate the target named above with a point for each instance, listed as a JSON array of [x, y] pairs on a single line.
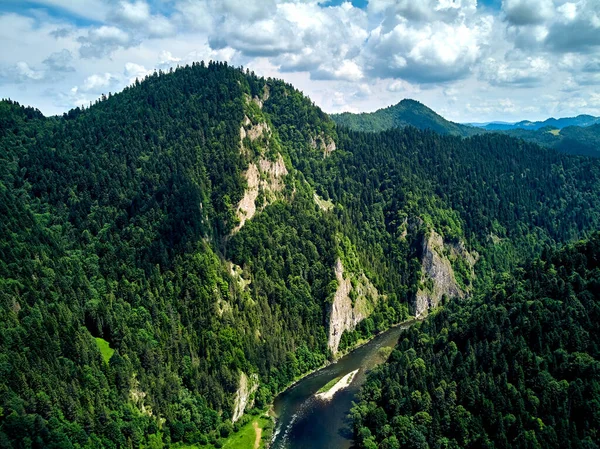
[[347, 70], [444, 53], [24, 73], [102, 41], [432, 53], [135, 71], [137, 15], [528, 72], [98, 82], [403, 86]]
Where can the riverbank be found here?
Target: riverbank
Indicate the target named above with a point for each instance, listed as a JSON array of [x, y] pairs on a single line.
[[305, 420], [344, 382], [338, 356], [263, 425]]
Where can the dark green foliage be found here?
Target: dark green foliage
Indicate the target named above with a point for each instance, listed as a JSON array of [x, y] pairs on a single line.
[[518, 367], [507, 198], [115, 223], [578, 135], [571, 140], [111, 221], [405, 113]]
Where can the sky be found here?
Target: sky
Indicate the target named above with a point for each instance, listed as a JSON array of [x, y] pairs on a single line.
[[469, 60]]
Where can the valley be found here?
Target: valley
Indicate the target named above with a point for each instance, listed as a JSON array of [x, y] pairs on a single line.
[[176, 255]]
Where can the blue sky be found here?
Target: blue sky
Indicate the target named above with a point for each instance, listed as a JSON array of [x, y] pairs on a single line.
[[468, 60]]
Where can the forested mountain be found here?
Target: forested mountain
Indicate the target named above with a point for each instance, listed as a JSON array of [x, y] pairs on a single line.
[[406, 113], [560, 123], [574, 135], [171, 256], [572, 139], [516, 367]]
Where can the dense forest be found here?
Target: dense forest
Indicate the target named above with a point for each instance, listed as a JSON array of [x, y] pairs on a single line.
[[576, 135], [136, 293], [406, 113], [516, 367], [571, 139]]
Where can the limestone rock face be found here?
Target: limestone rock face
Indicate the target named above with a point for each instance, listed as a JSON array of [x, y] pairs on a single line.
[[262, 175], [344, 315], [243, 396], [438, 278], [324, 143]]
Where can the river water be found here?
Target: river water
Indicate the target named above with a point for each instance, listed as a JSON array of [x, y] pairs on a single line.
[[307, 422]]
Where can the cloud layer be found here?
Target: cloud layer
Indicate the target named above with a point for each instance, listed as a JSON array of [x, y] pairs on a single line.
[[469, 61]]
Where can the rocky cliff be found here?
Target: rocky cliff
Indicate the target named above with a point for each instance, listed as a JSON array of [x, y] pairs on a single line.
[[438, 277], [244, 395], [346, 314], [264, 175]]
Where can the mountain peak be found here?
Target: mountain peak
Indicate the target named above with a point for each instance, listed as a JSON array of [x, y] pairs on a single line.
[[407, 112]]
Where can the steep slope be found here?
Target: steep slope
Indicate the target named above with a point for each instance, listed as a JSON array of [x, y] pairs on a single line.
[[516, 368], [119, 228], [169, 256], [406, 113]]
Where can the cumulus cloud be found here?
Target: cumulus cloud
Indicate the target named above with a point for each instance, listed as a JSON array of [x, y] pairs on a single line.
[[98, 82], [347, 58], [555, 25], [528, 12], [524, 73], [577, 27], [403, 86], [347, 70], [137, 14], [101, 41], [23, 72], [135, 71], [435, 52]]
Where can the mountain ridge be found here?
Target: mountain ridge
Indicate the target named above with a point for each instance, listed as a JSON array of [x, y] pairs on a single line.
[[581, 120], [143, 305], [407, 112]]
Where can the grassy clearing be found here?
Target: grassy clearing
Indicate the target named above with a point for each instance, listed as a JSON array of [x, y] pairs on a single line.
[[554, 132], [329, 384], [245, 438], [105, 349]]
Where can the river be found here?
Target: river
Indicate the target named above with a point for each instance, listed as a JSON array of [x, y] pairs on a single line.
[[306, 422]]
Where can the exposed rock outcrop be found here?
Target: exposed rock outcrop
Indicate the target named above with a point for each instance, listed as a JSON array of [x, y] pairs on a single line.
[[244, 395], [237, 273], [438, 277], [324, 143], [138, 397], [325, 205], [254, 132], [263, 175], [344, 314]]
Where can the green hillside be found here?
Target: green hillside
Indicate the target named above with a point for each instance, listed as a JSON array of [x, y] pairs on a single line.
[[201, 224], [406, 113], [515, 367]]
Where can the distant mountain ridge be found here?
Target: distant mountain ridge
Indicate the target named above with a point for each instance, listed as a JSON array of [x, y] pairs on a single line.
[[406, 113], [574, 135], [560, 123]]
